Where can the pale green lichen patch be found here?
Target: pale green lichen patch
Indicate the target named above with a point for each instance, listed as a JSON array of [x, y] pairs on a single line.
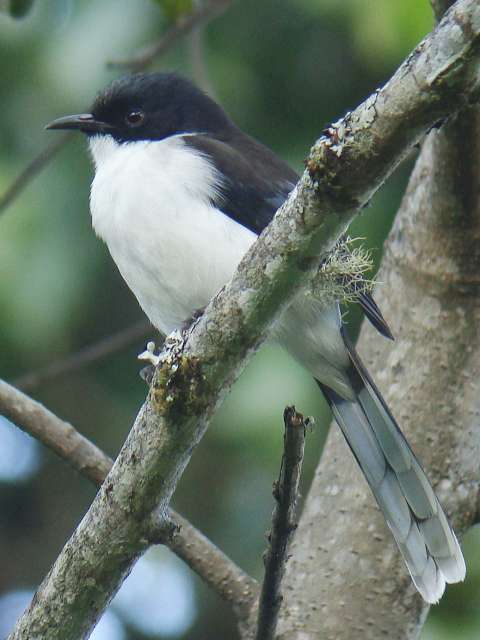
[[343, 275]]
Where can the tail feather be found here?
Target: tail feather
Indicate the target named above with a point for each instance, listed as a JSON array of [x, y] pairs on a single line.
[[399, 484]]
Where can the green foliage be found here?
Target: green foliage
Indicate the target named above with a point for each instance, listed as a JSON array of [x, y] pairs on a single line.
[[383, 31], [175, 9]]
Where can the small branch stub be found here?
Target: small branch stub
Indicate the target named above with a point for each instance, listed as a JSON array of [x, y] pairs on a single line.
[[285, 492]]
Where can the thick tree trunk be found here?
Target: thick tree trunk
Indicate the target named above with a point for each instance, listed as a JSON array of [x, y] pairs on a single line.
[[346, 578]]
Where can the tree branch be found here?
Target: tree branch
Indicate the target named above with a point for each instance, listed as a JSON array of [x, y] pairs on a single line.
[[86, 356], [198, 62], [203, 14], [429, 378], [285, 492], [345, 167], [211, 564], [32, 169], [58, 435]]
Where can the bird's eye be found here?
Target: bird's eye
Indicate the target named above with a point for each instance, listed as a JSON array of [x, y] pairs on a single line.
[[134, 118]]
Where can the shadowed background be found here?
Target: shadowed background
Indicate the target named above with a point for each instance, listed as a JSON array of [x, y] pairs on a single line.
[[283, 70]]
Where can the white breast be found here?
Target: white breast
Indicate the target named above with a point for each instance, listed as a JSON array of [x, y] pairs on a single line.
[[150, 203]]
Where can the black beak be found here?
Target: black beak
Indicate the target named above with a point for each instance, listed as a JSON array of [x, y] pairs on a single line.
[[84, 122]]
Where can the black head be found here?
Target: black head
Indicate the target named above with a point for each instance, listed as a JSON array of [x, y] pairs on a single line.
[[149, 106]]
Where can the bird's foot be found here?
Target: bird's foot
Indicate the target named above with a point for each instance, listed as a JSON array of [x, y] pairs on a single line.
[[146, 373], [169, 350], [149, 354]]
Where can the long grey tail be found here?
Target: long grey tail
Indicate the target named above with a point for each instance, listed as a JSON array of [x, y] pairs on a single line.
[[412, 511]]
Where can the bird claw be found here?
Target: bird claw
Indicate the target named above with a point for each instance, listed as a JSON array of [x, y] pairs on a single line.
[[309, 424], [173, 347], [147, 373], [149, 354]]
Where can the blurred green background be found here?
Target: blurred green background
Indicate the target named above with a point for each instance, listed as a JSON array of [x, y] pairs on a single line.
[[283, 70]]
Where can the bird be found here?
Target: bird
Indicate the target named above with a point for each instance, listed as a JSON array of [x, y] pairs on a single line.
[[179, 195]]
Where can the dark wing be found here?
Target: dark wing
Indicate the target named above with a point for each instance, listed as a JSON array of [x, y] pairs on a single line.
[[256, 182]]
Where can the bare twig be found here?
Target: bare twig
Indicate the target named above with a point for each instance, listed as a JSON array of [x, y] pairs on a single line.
[[202, 556], [197, 56], [94, 352], [200, 16], [32, 169], [284, 523]]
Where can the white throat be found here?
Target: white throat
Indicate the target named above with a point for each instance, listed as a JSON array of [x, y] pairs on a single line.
[[151, 202], [102, 147]]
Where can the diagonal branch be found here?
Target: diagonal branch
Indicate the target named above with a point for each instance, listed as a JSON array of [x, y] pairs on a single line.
[[56, 434], [86, 356], [33, 168], [344, 169], [203, 14], [284, 523], [211, 564]]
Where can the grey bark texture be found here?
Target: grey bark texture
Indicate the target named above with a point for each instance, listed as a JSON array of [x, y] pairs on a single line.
[[345, 167], [346, 578]]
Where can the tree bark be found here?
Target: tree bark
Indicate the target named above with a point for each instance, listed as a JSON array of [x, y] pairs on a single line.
[[346, 578]]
